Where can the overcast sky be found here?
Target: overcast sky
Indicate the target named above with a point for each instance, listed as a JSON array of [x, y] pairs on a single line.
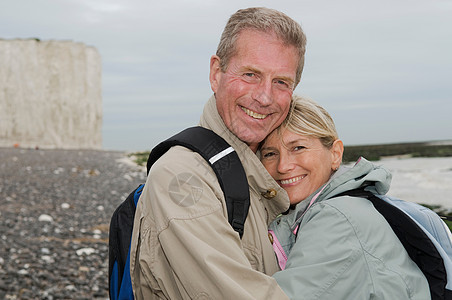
[[382, 68]]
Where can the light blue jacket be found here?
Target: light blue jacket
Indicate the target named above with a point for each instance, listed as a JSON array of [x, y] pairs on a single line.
[[341, 247]]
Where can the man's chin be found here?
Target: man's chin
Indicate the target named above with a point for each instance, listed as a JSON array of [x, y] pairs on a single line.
[[251, 139], [249, 133]]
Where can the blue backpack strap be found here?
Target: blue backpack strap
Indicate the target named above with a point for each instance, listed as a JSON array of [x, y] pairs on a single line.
[[119, 243], [125, 291], [137, 194], [224, 161]]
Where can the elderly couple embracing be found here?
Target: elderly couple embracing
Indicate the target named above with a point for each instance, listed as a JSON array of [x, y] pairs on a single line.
[[299, 241]]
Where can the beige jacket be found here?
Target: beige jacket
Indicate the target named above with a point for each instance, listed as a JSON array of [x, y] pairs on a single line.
[[182, 244]]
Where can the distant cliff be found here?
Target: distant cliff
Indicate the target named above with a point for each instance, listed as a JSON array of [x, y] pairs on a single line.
[[50, 94]]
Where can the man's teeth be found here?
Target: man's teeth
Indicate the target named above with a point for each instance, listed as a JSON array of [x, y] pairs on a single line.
[[253, 114], [292, 180]]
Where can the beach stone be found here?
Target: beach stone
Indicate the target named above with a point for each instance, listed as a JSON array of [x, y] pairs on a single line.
[[45, 218]]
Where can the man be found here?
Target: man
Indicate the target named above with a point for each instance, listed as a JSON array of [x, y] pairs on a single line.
[[189, 251]]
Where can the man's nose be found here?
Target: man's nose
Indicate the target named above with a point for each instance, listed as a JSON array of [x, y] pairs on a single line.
[[263, 92]]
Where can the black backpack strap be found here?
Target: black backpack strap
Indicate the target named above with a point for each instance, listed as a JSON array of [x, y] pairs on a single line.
[[416, 242], [224, 161]]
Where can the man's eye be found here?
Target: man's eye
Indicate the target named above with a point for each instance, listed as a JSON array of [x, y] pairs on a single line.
[[283, 85], [249, 74], [299, 148]]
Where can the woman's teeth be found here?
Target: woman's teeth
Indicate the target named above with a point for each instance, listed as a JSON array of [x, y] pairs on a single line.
[[291, 180]]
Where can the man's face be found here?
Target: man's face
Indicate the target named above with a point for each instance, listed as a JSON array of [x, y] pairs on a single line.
[[254, 93]]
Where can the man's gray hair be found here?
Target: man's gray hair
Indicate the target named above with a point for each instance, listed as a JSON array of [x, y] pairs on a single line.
[[264, 20]]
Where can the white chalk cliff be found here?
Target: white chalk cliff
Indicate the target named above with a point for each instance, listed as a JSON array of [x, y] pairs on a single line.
[[50, 94]]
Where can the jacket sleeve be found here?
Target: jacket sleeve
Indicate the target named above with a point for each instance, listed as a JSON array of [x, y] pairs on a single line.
[[326, 262], [187, 248]]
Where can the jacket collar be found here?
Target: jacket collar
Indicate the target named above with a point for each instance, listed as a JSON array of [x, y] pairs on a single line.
[[363, 173], [258, 178]]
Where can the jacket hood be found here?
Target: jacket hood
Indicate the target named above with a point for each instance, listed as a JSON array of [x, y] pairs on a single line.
[[363, 174], [259, 179]]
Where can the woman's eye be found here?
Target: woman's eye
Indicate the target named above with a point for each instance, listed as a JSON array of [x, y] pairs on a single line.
[[269, 154], [299, 148]]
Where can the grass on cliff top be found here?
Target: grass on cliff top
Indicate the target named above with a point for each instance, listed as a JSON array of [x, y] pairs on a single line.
[[373, 153]]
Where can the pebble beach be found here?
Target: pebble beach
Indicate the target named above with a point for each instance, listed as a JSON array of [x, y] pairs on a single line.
[[55, 210]]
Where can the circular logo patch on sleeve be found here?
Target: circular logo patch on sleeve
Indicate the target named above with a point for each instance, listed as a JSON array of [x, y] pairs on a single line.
[[185, 189]]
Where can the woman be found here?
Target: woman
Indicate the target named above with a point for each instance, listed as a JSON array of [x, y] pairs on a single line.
[[330, 246]]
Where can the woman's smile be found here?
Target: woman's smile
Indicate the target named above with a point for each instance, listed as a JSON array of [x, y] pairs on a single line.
[[291, 181]]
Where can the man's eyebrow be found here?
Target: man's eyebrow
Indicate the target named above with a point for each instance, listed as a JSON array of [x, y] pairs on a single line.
[[251, 69]]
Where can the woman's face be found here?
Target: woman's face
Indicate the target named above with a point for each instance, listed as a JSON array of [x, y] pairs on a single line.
[[300, 164]]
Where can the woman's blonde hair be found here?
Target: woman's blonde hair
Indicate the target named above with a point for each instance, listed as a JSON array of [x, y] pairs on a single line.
[[308, 118]]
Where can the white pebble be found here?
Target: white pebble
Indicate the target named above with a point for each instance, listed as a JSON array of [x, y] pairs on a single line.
[[45, 218], [65, 205], [48, 259], [22, 272], [97, 231], [85, 251], [58, 171], [45, 250], [100, 208]]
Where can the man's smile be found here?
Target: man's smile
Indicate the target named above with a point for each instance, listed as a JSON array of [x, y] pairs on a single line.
[[253, 114]]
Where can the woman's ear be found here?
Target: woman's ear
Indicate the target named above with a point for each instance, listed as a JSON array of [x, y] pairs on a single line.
[[215, 72], [337, 150]]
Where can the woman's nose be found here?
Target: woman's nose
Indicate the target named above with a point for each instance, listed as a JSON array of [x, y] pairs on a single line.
[[285, 163]]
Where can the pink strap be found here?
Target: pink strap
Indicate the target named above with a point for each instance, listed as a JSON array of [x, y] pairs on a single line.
[[310, 203], [280, 254]]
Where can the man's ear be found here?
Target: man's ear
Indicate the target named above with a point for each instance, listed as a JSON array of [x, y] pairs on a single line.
[[337, 150], [215, 72]]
